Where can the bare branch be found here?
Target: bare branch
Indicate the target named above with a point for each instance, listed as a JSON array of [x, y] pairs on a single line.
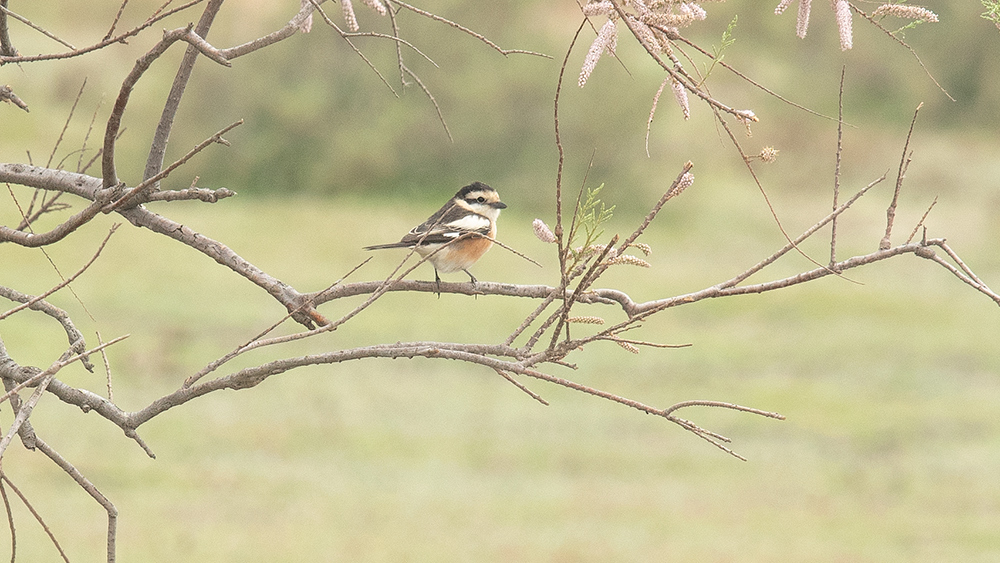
[[920, 223], [32, 240], [6, 49], [158, 148], [34, 513], [141, 65], [794, 243], [69, 117], [8, 95], [836, 173], [4, 59], [65, 282], [908, 48], [750, 81], [291, 28], [962, 272], [89, 487], [10, 523], [904, 163], [521, 386], [42, 381], [137, 195], [464, 29], [27, 22], [75, 337], [90, 188], [431, 97], [114, 23], [357, 51]]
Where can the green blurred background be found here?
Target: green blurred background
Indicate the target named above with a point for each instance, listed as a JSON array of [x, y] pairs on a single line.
[[892, 444]]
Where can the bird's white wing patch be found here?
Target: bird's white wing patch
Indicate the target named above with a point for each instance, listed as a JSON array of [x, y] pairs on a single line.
[[470, 222]]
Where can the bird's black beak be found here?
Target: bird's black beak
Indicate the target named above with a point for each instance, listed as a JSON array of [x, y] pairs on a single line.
[[499, 205]]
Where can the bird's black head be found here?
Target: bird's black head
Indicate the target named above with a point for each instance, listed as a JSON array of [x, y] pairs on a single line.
[[479, 194]]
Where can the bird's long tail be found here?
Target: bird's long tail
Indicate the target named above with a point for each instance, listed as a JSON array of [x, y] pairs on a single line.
[[390, 245]]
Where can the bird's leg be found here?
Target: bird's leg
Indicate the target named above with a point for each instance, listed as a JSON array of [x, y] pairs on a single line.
[[437, 280], [474, 282]]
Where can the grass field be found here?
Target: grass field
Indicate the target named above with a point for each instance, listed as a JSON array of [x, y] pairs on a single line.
[[889, 453]]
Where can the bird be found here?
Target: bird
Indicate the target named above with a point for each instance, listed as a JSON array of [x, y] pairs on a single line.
[[454, 237]]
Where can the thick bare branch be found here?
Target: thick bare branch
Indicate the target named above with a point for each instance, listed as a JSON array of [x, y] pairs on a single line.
[[141, 65], [33, 240], [6, 47], [77, 343], [158, 148], [89, 187]]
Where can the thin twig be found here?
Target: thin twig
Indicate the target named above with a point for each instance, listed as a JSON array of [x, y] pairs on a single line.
[[908, 48], [107, 368], [91, 490], [904, 163], [86, 138], [114, 23], [35, 513], [65, 282], [921, 221], [430, 96], [521, 386], [752, 82], [562, 243], [66, 124], [42, 375], [133, 196], [464, 29], [836, 173], [667, 196], [531, 317], [940, 243], [357, 51], [10, 522], [101, 44], [108, 171], [27, 22], [253, 342], [767, 199]]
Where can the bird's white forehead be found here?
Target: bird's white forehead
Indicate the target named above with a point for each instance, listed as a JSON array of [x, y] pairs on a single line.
[[489, 195]]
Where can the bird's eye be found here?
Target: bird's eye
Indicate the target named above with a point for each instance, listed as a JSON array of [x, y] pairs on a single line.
[[481, 199]]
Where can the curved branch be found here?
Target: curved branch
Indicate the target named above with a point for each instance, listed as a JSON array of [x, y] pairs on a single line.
[[77, 344], [141, 66], [34, 240], [295, 24]]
